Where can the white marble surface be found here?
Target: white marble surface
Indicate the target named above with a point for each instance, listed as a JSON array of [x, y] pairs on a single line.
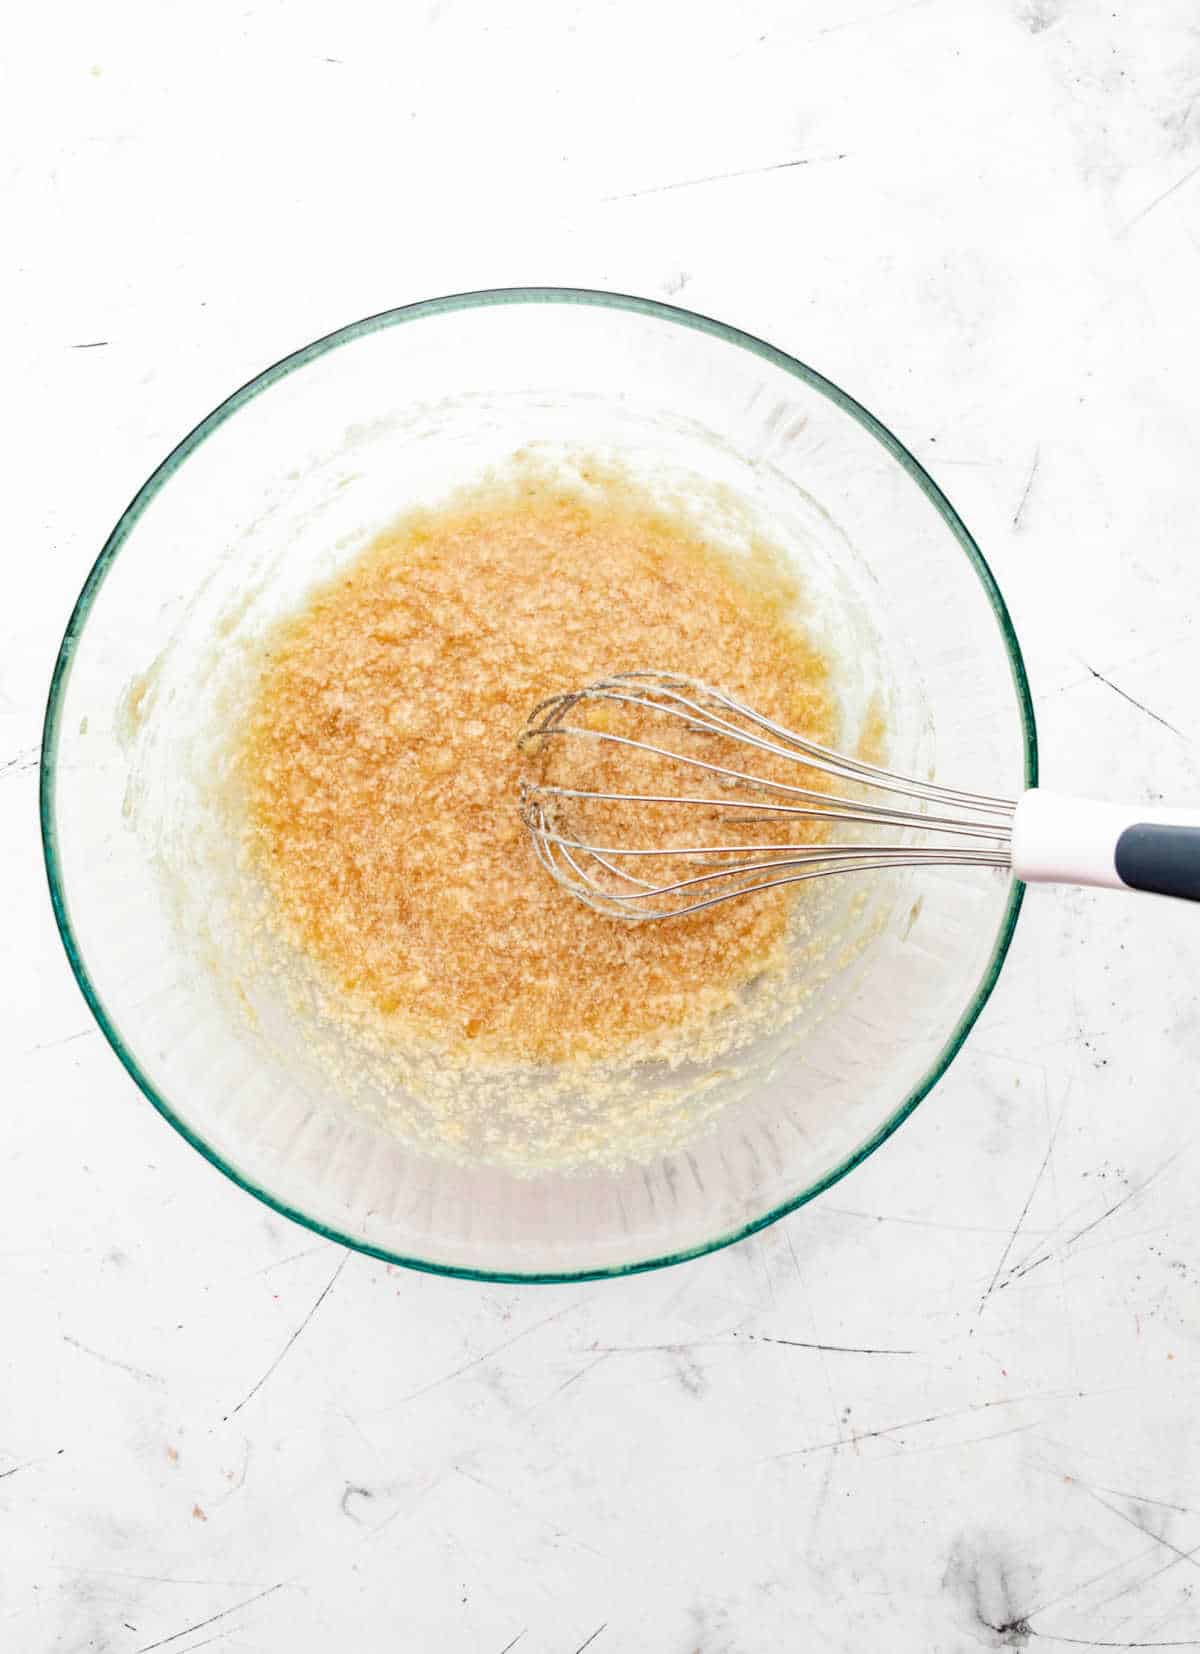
[[949, 1406]]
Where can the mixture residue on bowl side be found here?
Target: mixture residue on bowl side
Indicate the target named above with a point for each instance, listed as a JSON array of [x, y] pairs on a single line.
[[379, 768]]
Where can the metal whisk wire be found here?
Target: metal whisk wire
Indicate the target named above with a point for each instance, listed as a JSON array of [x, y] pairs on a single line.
[[978, 825]]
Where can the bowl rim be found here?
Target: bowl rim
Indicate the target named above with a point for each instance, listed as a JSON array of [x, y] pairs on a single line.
[[481, 299]]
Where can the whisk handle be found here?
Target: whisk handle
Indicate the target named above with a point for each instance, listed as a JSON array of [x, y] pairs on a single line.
[[1062, 840]]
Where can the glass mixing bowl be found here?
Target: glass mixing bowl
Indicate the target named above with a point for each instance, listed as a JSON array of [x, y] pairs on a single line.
[[283, 483]]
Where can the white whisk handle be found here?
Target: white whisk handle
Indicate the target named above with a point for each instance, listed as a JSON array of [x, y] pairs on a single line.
[[1061, 840]]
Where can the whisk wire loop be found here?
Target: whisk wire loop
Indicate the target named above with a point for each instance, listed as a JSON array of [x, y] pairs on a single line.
[[975, 828]]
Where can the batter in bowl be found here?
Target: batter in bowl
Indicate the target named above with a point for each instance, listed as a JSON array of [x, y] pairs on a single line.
[[379, 768]]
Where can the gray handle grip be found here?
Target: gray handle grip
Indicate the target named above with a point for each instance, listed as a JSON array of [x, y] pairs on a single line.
[[1164, 859]]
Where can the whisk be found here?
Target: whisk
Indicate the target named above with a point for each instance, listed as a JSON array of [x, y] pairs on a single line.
[[582, 834]]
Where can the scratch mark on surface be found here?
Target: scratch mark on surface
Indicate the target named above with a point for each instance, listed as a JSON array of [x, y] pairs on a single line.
[[731, 1343], [140, 1373], [1020, 1220], [1167, 647], [1177, 1557], [837, 1349], [487, 1355], [27, 1464], [509, 1500], [90, 344], [1140, 1584], [721, 177], [353, 1492], [1131, 1194], [370, 1445], [206, 1642], [970, 1441], [238, 1483], [931, 1418], [158, 1579], [1025, 1269], [212, 1620], [580, 1372], [587, 1643], [1141, 706], [514, 1642], [1159, 199], [27, 760], [1124, 1200], [1180, 1554], [787, 1235], [822, 1499], [66, 1039], [1033, 470], [1093, 1579], [308, 1252], [321, 1297], [928, 1223], [1097, 1642], [1145, 1499], [423, 1492]]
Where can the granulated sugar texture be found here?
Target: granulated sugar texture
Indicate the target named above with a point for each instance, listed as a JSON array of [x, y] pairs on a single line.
[[379, 768]]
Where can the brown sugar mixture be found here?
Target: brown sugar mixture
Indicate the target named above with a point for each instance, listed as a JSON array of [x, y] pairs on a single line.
[[380, 768]]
